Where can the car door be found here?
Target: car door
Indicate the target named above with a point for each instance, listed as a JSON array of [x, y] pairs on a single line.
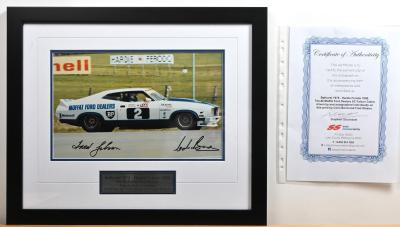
[[165, 109], [121, 110], [138, 111], [140, 108]]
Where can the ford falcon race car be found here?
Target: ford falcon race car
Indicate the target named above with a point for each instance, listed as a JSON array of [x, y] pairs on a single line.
[[136, 108]]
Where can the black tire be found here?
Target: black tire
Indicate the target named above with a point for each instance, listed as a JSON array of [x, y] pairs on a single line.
[[92, 123], [186, 121]]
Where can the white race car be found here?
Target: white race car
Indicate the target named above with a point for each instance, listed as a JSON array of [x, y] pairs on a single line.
[[136, 108]]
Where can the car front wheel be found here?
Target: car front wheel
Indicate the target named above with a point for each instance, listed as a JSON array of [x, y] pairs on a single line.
[[186, 121], [92, 123]]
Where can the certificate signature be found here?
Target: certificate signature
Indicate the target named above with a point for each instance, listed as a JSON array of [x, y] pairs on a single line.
[[343, 114]]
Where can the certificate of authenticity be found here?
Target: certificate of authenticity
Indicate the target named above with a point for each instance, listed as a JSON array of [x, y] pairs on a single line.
[[344, 99]]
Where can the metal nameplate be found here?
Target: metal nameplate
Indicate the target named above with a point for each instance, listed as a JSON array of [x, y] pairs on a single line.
[[137, 182]]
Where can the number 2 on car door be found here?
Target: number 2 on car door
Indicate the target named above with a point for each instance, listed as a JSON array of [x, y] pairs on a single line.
[[137, 113]]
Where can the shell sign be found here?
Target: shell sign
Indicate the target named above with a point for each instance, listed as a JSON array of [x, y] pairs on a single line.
[[69, 65]]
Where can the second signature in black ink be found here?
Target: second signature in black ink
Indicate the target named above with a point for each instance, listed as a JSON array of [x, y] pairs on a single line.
[[186, 145]]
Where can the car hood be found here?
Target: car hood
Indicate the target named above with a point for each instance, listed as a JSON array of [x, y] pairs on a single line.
[[190, 100]]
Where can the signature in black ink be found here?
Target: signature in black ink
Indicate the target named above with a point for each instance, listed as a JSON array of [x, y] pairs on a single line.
[[103, 146], [184, 145]]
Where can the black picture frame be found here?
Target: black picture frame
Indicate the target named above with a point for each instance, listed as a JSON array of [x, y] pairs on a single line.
[[18, 16]]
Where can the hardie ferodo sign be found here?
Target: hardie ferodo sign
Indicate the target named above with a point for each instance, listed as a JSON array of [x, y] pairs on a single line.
[[142, 59]]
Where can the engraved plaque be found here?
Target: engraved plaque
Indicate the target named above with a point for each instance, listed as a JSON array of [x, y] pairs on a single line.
[[137, 182]]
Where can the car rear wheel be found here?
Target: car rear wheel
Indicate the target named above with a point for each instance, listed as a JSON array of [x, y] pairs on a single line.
[[186, 121], [92, 123]]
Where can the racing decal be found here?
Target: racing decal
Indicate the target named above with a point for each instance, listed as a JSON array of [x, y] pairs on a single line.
[[105, 106], [189, 100], [67, 115], [92, 107], [137, 113], [166, 105], [145, 104], [110, 114], [140, 105], [164, 113], [75, 107]]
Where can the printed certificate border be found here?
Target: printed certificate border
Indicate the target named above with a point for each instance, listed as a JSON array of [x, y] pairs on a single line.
[[306, 100], [52, 149], [256, 17]]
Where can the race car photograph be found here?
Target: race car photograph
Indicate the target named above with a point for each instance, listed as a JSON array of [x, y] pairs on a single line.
[[136, 108], [137, 104]]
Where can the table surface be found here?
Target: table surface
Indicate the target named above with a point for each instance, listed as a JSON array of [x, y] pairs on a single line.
[[200, 225]]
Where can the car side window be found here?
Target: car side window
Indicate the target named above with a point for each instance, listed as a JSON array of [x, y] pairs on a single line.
[[134, 96], [114, 96], [141, 97], [131, 96]]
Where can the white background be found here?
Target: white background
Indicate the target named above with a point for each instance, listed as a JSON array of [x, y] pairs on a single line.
[[294, 203]]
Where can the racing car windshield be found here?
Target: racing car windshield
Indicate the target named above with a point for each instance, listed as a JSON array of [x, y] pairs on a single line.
[[156, 96]]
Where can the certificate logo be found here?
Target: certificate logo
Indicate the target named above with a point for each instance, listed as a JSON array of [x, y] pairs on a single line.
[[334, 127]]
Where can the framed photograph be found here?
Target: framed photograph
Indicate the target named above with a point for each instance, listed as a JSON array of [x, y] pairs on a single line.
[[114, 104], [136, 116]]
